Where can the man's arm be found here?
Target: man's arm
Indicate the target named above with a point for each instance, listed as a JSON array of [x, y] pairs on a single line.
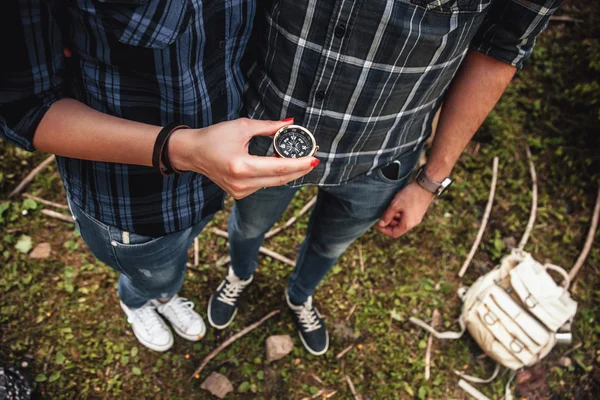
[[473, 93]]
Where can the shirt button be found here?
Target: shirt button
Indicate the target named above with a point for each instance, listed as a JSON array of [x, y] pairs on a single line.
[[340, 31], [320, 95]]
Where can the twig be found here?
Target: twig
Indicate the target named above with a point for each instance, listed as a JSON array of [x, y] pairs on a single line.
[[46, 202], [352, 389], [351, 312], [486, 216], [360, 259], [232, 339], [317, 379], [564, 18], [30, 176], [262, 250], [330, 394], [435, 321], [534, 196], [196, 252], [575, 348], [471, 391], [343, 352], [48, 359], [589, 241], [57, 215], [292, 220]]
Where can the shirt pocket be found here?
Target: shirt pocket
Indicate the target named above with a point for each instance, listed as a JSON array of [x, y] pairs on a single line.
[[450, 6], [152, 24]]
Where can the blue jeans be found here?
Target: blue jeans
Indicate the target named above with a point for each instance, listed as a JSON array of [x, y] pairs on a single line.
[[150, 267], [341, 215]]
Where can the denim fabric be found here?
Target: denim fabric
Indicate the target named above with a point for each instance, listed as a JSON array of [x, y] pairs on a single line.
[[341, 215], [150, 267]]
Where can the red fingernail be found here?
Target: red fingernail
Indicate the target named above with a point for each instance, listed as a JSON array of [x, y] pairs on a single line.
[[288, 120], [315, 162]]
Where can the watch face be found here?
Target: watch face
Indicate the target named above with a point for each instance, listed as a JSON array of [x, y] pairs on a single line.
[[294, 141]]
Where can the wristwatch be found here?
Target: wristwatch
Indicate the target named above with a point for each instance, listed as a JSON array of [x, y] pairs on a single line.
[[294, 141], [437, 188]]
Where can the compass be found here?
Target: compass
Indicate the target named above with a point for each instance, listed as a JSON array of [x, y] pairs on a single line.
[[294, 141]]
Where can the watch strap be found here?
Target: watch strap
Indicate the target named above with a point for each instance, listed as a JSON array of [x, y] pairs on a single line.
[[427, 183]]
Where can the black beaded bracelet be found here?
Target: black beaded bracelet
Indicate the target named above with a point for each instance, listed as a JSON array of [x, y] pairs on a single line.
[[160, 152]]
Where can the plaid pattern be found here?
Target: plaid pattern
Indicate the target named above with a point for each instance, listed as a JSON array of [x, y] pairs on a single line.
[[366, 77], [153, 61]]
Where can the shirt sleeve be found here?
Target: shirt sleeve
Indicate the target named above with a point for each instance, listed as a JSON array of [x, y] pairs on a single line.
[[31, 70], [510, 28]]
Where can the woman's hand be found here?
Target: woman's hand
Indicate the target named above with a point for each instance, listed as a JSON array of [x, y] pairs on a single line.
[[220, 152]]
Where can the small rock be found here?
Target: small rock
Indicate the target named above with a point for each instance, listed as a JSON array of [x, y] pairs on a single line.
[[40, 251], [218, 385], [565, 362], [510, 242], [278, 346]]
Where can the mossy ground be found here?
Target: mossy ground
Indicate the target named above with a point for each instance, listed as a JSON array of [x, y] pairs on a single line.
[[65, 309]]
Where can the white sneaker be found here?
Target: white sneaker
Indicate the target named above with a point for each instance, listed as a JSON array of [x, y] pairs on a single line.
[[148, 327], [180, 313]]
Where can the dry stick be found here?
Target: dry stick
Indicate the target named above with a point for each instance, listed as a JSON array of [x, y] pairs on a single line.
[[352, 389], [57, 215], [588, 242], [196, 253], [351, 312], [486, 216], [534, 196], [436, 320], [360, 258], [343, 352], [46, 202], [292, 220], [330, 394], [30, 176], [564, 18], [263, 250], [232, 339]]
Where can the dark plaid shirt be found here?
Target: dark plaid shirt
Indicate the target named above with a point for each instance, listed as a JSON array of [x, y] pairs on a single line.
[[367, 76], [153, 61]]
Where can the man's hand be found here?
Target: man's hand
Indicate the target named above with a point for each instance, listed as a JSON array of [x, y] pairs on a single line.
[[406, 211], [220, 152]]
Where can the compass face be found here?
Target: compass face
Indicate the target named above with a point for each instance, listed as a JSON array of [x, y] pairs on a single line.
[[294, 142]]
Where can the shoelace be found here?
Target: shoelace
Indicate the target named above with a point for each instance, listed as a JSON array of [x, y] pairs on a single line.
[[148, 317], [308, 317], [182, 308], [231, 292]]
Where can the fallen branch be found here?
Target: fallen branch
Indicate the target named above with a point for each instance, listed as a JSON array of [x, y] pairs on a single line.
[[196, 253], [232, 339], [534, 196], [471, 391], [262, 250], [486, 216], [360, 259], [292, 220], [589, 241], [57, 215], [352, 389], [46, 202], [30, 176], [436, 320]]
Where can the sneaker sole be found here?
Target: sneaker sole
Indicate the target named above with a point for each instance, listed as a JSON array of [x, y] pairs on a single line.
[[160, 349], [212, 323]]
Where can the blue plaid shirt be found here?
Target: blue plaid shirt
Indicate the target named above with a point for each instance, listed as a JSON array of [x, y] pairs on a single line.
[[367, 76], [153, 61]]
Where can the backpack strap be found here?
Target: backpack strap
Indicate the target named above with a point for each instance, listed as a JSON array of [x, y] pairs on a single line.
[[475, 379], [441, 335]]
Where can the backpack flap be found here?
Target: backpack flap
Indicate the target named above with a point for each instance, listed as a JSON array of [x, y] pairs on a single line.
[[547, 301]]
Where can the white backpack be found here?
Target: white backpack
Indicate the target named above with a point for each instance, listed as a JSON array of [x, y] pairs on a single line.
[[514, 312]]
